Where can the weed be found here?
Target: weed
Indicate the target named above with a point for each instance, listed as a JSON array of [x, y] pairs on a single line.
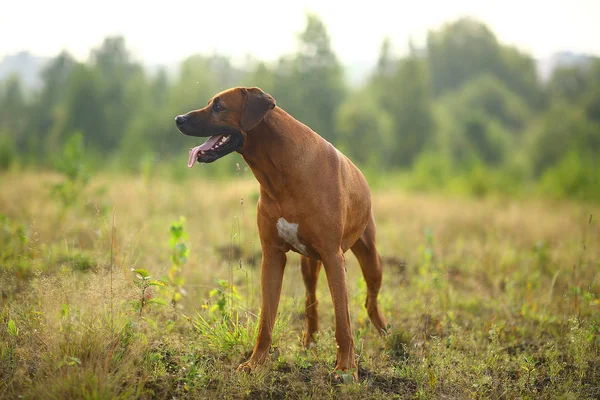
[[179, 256], [72, 166], [144, 282], [15, 253]]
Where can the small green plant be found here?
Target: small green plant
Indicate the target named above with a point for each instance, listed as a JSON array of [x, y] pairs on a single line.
[[529, 373], [173, 288], [13, 239], [398, 344], [224, 293], [221, 324], [143, 281], [579, 347], [347, 377], [71, 164], [224, 334], [15, 251], [179, 256], [69, 362], [77, 260], [12, 329]]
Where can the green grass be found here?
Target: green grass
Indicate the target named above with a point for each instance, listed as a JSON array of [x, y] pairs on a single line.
[[487, 298]]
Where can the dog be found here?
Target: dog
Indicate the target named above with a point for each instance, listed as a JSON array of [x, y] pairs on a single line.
[[313, 201]]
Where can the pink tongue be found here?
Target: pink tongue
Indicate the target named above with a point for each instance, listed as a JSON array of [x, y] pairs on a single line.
[[194, 151]]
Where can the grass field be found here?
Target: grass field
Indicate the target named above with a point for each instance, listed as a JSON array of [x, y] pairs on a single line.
[[488, 298]]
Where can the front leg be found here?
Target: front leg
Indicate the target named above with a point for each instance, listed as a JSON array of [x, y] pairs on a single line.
[[271, 277], [335, 268]]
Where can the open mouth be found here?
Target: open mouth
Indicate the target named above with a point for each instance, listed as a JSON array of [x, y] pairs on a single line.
[[214, 148]]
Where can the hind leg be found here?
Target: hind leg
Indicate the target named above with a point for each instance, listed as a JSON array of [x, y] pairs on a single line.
[[310, 274], [370, 263]]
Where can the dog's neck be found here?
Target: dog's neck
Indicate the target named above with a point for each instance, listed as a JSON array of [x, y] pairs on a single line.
[[270, 148]]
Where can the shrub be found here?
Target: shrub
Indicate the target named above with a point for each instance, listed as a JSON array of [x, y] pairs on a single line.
[[8, 152]]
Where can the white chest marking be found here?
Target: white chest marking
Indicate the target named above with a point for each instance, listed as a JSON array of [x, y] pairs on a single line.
[[289, 233]]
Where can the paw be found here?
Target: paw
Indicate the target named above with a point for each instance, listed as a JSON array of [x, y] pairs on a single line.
[[245, 367], [308, 341], [347, 376], [253, 363]]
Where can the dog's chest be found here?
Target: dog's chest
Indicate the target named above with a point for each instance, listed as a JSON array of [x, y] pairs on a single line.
[[289, 233]]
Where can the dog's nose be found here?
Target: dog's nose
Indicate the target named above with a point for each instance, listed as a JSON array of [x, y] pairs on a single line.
[[180, 120]]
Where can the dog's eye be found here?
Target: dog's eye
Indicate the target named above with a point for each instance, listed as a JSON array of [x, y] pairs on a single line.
[[217, 107]]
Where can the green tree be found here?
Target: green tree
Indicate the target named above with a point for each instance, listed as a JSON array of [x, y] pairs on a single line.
[[151, 129], [517, 71], [403, 91], [261, 76], [224, 74], [458, 51], [578, 85], [310, 84], [575, 175], [466, 48], [47, 110], [488, 95], [562, 129], [159, 88], [591, 99], [82, 111], [13, 110], [120, 86], [385, 62], [567, 83], [486, 140], [366, 131]]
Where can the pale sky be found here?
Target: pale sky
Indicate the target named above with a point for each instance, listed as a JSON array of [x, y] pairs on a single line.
[[167, 31]]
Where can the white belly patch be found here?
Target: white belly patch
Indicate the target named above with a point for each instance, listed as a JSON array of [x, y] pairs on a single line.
[[289, 233]]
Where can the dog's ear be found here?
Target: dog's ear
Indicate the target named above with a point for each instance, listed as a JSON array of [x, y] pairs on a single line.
[[256, 105]]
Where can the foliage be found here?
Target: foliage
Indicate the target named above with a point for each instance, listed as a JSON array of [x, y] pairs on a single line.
[[489, 95], [366, 132], [144, 281], [13, 110], [476, 103], [403, 92], [309, 84], [14, 249], [8, 152], [557, 132], [72, 165], [179, 256], [466, 48], [574, 176]]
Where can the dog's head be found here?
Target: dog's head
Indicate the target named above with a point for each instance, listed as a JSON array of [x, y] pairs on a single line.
[[226, 120]]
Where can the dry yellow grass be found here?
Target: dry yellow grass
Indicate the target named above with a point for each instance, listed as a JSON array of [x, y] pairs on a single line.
[[487, 298]]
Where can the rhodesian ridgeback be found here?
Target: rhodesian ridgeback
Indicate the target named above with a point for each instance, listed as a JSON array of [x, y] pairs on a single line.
[[313, 201]]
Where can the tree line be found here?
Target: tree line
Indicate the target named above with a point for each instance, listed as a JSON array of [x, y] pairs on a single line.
[[464, 111]]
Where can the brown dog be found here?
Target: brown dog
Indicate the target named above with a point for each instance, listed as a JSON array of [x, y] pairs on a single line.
[[313, 201]]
